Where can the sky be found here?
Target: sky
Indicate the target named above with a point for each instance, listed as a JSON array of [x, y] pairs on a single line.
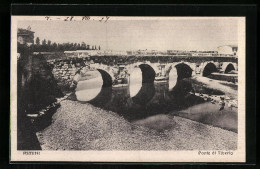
[[134, 34]]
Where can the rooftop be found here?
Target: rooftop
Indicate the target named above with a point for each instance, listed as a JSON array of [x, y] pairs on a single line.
[[24, 31]]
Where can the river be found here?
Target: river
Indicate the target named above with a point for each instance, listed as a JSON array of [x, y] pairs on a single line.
[[140, 102]]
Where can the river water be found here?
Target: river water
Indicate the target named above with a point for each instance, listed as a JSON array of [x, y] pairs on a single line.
[[139, 101]]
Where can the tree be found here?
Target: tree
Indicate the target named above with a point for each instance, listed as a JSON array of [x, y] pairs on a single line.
[[78, 46], [60, 47], [92, 47], [99, 47], [95, 47], [88, 47], [75, 46], [66, 46], [71, 46], [83, 46], [55, 46], [38, 41], [49, 43], [44, 42]]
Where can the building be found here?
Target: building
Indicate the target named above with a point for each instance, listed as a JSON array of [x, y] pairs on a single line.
[[129, 52], [82, 53], [152, 52], [203, 54], [227, 50], [88, 53], [25, 36], [119, 53], [70, 54], [177, 52], [141, 52], [78, 53]]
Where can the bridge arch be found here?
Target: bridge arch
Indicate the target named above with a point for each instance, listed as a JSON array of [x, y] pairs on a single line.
[[184, 70], [178, 72], [141, 74], [228, 66], [146, 71], [208, 68], [107, 78]]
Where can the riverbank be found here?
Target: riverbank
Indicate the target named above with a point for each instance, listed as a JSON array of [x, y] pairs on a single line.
[[228, 88], [37, 91], [218, 110], [224, 77], [208, 113], [215, 91], [77, 126]]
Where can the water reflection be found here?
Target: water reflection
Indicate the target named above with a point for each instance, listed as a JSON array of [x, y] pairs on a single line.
[[87, 94], [172, 78], [140, 91], [181, 88], [135, 83], [89, 89], [97, 94], [103, 97], [138, 100], [145, 94], [153, 104]]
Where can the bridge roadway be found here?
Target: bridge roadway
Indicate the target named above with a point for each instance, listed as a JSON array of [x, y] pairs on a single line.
[[70, 70]]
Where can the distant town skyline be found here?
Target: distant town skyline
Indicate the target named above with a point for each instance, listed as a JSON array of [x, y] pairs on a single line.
[[121, 35]]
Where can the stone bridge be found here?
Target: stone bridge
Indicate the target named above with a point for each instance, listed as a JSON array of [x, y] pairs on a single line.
[[111, 68]]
